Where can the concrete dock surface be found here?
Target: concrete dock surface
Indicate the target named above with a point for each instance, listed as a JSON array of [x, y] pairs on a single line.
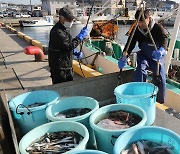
[[29, 72], [13, 61]]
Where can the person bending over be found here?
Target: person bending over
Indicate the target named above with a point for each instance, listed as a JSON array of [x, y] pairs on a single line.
[[147, 57]]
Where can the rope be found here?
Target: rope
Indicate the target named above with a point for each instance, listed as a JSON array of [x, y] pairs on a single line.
[[127, 47], [79, 60], [155, 47], [150, 35], [81, 45], [81, 68], [137, 21], [89, 56], [132, 35]]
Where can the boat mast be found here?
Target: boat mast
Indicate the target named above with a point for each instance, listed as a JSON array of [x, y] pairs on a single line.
[[172, 41]]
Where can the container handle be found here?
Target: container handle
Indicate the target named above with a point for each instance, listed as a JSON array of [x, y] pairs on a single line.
[[48, 104], [153, 92], [112, 138], [21, 113]]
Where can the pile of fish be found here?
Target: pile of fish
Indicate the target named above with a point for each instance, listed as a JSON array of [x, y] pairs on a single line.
[[148, 147], [36, 104], [55, 142], [174, 73], [73, 112], [119, 120], [173, 112]]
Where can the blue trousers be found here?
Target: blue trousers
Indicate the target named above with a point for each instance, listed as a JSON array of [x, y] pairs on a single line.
[[144, 62]]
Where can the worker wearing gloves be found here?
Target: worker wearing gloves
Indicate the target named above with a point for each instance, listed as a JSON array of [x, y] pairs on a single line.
[[147, 57], [62, 47]]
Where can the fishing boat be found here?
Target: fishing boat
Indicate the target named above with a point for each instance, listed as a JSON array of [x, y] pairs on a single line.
[[45, 21], [108, 64], [77, 26], [99, 46]]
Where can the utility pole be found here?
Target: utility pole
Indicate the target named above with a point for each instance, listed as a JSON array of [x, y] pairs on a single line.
[[31, 6]]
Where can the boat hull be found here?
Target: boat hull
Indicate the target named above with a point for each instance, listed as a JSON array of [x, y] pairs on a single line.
[[29, 25], [45, 21], [109, 65]]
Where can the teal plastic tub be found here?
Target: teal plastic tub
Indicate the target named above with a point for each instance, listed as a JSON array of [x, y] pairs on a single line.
[[75, 102], [154, 134], [105, 138], [141, 94], [55, 127], [90, 152], [29, 118]]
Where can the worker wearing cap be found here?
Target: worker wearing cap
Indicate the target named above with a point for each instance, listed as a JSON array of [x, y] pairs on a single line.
[[62, 47], [147, 57]]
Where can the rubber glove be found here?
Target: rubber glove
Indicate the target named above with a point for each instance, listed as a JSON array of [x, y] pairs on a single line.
[[158, 54], [122, 61], [78, 54], [83, 33]]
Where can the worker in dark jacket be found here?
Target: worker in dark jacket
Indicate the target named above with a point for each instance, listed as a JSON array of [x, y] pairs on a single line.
[[147, 57], [62, 47]]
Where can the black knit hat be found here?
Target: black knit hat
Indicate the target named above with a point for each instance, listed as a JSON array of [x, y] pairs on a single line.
[[67, 13], [147, 13]]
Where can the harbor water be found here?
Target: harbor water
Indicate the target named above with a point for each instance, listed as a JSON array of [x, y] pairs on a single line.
[[42, 33], [38, 33]]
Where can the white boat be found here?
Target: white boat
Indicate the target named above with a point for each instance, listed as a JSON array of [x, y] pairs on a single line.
[[45, 21], [78, 25]]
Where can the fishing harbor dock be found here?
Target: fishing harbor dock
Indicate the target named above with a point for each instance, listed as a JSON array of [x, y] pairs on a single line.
[[15, 21], [20, 73]]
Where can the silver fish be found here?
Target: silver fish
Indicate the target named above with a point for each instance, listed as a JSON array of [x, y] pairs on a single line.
[[47, 140], [140, 147], [135, 149], [125, 151]]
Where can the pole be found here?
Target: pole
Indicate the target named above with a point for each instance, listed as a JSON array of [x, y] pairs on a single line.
[[127, 47], [31, 6], [131, 37], [88, 22], [172, 41], [90, 13], [83, 8], [81, 45], [157, 79]]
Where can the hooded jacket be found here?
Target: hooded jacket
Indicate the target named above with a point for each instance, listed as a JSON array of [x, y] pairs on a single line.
[[158, 33]]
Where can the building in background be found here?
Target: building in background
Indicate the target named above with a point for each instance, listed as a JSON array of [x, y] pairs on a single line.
[[53, 6], [3, 6], [112, 6], [85, 5], [38, 12], [25, 8]]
